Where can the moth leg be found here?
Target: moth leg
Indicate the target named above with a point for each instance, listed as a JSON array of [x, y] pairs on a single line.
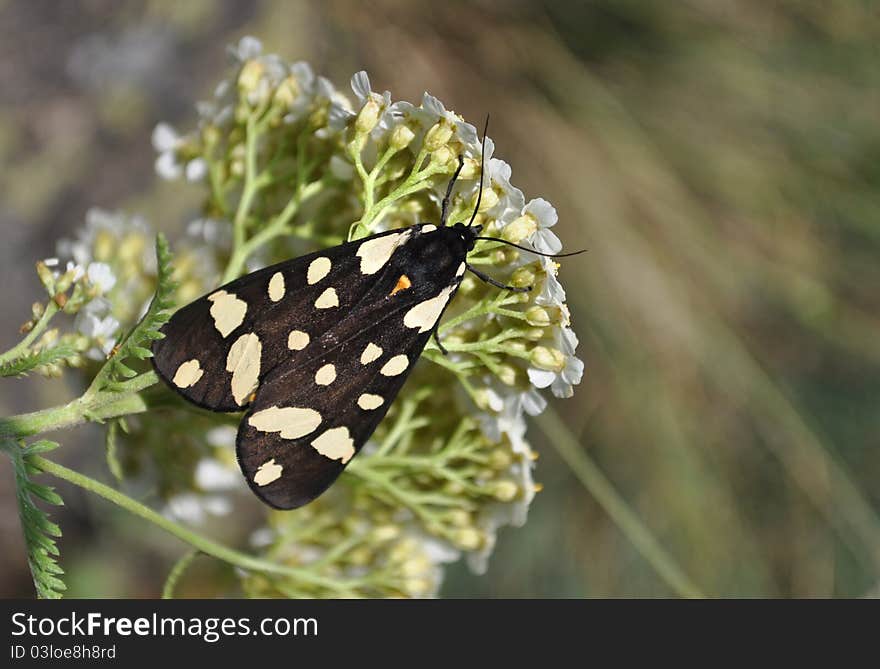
[[445, 204], [436, 335], [488, 279]]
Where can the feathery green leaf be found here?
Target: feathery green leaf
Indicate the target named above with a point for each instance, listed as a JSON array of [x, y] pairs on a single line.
[[39, 531]]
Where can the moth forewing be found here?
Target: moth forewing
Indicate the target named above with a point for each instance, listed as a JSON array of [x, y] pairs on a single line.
[[217, 349]]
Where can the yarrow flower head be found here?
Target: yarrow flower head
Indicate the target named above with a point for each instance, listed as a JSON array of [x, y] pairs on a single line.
[[290, 165]]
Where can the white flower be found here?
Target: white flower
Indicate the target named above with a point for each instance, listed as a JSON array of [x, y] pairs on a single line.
[[496, 175], [561, 382], [360, 85], [211, 475], [76, 268], [262, 537], [211, 231], [193, 508], [166, 142], [101, 276], [95, 322], [552, 293], [248, 47], [546, 217], [196, 169], [222, 436]]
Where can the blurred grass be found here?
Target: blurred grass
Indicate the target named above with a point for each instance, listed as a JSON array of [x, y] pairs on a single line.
[[719, 159]]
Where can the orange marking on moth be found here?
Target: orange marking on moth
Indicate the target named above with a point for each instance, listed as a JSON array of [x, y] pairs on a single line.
[[402, 284]]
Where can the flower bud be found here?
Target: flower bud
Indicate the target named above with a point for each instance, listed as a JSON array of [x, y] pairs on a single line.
[[250, 75], [505, 491], [520, 229], [443, 156], [523, 277], [46, 277], [210, 136], [438, 136], [318, 118], [467, 539], [490, 198], [287, 93], [459, 518], [469, 170], [538, 317], [516, 346], [468, 285], [367, 117], [507, 374], [415, 566], [551, 359], [385, 533], [417, 587], [533, 334], [401, 137], [500, 459]]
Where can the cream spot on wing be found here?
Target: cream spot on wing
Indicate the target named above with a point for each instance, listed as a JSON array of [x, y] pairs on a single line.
[[188, 374], [460, 270], [297, 340], [267, 472], [227, 311], [395, 366], [327, 299], [276, 287], [326, 375], [374, 253], [428, 228], [368, 402], [290, 422], [371, 352], [244, 363], [425, 314], [318, 269], [335, 444]]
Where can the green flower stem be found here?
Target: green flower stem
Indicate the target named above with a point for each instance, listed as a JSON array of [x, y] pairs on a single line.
[[279, 226], [21, 348], [177, 571], [251, 184], [97, 407], [194, 539], [416, 181], [615, 506]]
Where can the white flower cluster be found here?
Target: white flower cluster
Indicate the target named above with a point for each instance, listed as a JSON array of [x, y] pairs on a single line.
[[374, 132]]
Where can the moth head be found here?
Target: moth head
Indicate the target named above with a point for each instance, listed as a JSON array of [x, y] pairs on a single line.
[[468, 233]]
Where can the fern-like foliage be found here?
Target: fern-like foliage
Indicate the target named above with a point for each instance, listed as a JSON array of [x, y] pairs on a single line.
[[39, 532], [35, 359], [135, 345]]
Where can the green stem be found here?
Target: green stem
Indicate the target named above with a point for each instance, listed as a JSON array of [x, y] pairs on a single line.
[[98, 407], [615, 506], [177, 571], [251, 187], [194, 539], [21, 348]]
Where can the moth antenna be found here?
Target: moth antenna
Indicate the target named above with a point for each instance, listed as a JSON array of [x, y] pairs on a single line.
[[537, 253], [482, 164], [445, 204], [492, 282]]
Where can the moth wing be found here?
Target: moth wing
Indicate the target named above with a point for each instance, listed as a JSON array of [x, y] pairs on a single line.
[[307, 421], [219, 348]]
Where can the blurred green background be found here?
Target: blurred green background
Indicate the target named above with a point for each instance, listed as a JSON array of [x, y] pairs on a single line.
[[720, 159]]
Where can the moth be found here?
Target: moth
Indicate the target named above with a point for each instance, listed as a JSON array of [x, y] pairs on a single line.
[[315, 349]]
